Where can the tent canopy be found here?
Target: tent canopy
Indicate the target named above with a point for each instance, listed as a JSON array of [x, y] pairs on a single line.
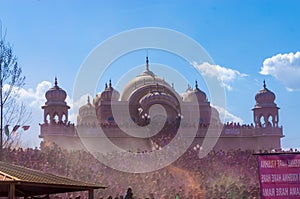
[[20, 181]]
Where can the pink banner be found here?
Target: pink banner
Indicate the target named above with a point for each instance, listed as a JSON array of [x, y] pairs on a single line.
[[279, 176]]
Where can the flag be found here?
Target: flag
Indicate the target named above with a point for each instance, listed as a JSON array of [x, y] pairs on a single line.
[[6, 130], [16, 128], [14, 131], [25, 128]]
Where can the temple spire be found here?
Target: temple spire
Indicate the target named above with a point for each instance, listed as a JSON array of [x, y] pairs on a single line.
[[196, 84], [110, 83], [88, 100], [55, 81], [147, 63], [265, 84], [147, 71], [189, 88]]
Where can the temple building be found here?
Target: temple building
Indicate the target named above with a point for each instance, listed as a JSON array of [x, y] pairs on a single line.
[[149, 102]]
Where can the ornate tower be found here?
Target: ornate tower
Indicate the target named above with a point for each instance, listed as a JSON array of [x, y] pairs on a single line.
[[103, 103], [198, 100], [56, 125], [265, 111], [55, 108]]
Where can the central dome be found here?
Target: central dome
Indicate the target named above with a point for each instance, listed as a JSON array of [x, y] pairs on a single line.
[[145, 78]]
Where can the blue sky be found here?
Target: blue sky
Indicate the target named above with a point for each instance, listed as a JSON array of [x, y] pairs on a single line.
[[53, 38]]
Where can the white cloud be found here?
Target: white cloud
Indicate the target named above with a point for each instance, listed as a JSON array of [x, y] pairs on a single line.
[[35, 97], [227, 116], [285, 68], [224, 75]]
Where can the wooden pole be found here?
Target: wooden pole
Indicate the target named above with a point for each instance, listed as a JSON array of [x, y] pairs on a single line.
[[11, 194], [91, 193]]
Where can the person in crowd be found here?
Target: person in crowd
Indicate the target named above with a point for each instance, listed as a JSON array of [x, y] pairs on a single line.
[[129, 194]]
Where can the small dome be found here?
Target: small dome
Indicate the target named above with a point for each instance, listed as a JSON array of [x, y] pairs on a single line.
[[109, 94], [87, 109], [190, 94], [87, 115], [56, 94], [265, 96]]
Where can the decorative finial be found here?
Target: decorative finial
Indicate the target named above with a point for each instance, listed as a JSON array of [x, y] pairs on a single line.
[[110, 83], [196, 85], [55, 81], [189, 88], [147, 63], [105, 85], [265, 84], [89, 100]]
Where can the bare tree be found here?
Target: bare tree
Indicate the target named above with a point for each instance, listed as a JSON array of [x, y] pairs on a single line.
[[12, 111], [16, 117]]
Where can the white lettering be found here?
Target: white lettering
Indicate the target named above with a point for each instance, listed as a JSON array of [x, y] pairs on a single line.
[[281, 163], [276, 177], [269, 192], [294, 191], [294, 163], [282, 191], [290, 177], [265, 178], [268, 164]]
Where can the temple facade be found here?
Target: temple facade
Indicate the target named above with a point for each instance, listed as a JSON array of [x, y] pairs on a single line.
[[148, 103]]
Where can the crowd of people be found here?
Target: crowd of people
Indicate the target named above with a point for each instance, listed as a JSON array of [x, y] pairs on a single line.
[[218, 175]]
